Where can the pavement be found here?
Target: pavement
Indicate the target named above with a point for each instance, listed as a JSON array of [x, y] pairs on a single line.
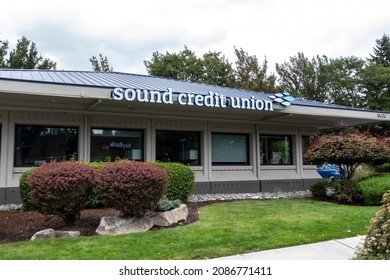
[[337, 249]]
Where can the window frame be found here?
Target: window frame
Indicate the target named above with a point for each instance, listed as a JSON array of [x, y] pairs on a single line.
[[199, 148], [46, 126], [116, 128], [237, 163], [291, 154]]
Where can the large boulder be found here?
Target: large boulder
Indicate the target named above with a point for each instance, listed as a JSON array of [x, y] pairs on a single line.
[[168, 218], [51, 233], [122, 225]]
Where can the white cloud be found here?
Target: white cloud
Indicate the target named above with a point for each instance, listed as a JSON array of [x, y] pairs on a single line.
[[128, 32]]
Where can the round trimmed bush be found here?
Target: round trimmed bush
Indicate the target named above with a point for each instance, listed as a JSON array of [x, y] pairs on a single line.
[[373, 188], [61, 189], [132, 187], [180, 180]]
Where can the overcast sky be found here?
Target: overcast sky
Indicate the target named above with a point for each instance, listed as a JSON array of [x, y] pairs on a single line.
[[128, 32]]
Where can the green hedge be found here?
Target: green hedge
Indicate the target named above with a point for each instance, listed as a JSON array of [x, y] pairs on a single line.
[[374, 187], [180, 180], [95, 198], [24, 190]]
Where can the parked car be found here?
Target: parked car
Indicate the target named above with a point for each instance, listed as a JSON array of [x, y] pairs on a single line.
[[329, 171]]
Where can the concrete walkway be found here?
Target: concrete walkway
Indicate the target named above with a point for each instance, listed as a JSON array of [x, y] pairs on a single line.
[[338, 249]]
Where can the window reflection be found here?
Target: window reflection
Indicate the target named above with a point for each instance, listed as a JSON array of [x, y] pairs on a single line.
[[178, 146], [276, 150], [35, 145], [111, 144]]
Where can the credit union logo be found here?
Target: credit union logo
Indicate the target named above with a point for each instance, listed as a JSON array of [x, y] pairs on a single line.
[[284, 98]]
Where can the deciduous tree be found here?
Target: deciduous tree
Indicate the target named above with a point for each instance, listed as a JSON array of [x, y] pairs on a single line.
[[345, 82], [184, 66], [348, 150], [305, 78], [375, 80], [213, 68]]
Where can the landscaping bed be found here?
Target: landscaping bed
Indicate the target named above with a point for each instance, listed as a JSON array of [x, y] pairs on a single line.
[[18, 225]]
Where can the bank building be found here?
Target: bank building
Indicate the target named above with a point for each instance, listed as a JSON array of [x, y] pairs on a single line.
[[235, 141]]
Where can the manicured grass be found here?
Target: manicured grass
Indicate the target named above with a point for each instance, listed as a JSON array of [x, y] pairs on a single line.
[[223, 229]]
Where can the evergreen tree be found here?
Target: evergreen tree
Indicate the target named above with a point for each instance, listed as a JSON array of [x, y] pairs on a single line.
[[24, 56], [381, 51], [3, 53], [251, 76], [101, 64]]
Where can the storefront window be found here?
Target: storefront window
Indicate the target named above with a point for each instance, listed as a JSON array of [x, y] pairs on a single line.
[[230, 149], [35, 145], [276, 150], [178, 146], [0, 141], [111, 144]]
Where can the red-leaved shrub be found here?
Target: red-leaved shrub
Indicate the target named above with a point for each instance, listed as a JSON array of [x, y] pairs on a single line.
[[61, 189], [134, 188]]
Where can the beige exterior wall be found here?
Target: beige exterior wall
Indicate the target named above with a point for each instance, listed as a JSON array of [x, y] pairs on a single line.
[[206, 173]]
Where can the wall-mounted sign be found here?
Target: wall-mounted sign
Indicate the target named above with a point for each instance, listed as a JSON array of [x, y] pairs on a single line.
[[211, 99]]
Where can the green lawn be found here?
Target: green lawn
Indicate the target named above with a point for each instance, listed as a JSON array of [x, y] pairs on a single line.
[[223, 229]]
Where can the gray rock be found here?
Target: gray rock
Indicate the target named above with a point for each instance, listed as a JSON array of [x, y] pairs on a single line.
[[122, 225], [61, 233], [168, 218], [51, 233]]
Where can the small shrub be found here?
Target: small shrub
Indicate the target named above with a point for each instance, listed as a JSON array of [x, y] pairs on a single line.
[[346, 192], [374, 187], [61, 189], [24, 190], [95, 197], [383, 168], [376, 245], [318, 189], [164, 204], [180, 180], [134, 188]]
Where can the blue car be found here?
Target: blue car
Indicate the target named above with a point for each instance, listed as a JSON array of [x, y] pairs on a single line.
[[329, 171]]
